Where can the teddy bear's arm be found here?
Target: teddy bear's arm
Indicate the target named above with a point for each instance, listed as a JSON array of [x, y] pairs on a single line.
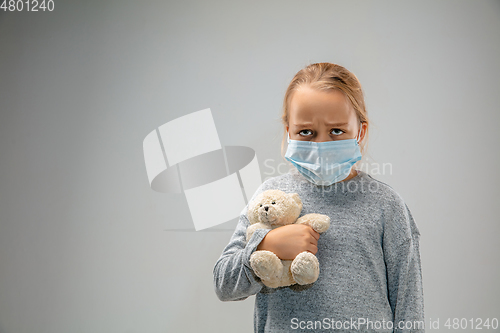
[[319, 222], [251, 229]]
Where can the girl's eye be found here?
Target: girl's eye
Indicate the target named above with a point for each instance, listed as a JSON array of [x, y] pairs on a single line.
[[336, 129], [274, 202], [305, 131]]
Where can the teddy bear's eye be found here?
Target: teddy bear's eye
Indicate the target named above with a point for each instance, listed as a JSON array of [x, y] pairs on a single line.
[[261, 205], [274, 202]]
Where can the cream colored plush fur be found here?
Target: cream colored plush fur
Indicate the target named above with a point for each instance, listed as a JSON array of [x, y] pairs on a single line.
[[272, 209]]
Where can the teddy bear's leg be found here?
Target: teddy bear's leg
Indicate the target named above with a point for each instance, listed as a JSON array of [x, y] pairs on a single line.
[[305, 268], [266, 265]]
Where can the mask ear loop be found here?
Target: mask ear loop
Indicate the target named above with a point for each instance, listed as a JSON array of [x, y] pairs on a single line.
[[359, 134], [287, 137]]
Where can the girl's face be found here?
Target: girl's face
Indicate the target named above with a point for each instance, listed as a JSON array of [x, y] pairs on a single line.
[[322, 116]]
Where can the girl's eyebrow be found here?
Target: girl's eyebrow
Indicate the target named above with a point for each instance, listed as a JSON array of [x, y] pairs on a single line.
[[329, 124], [337, 124]]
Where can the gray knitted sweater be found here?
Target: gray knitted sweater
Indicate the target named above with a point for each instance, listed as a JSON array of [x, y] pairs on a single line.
[[370, 273]]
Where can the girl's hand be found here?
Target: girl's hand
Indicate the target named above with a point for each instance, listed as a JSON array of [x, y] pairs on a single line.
[[289, 240]]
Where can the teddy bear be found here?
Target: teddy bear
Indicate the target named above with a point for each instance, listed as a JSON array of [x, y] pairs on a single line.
[[272, 209]]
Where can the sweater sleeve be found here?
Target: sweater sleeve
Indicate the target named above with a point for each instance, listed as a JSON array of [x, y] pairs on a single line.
[[404, 275], [234, 279]]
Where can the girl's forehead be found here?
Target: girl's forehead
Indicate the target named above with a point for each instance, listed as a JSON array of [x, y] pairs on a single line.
[[310, 105]]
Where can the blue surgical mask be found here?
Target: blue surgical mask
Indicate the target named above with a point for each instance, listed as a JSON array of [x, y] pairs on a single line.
[[324, 163]]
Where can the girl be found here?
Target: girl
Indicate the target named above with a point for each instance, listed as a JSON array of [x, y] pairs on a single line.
[[370, 272]]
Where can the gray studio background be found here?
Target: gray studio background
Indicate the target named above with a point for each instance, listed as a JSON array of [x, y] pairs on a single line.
[[83, 240]]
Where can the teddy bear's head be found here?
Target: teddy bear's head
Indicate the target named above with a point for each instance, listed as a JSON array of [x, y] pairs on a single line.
[[275, 207]]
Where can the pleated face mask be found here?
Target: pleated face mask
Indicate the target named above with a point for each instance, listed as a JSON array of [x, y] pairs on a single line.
[[324, 163]]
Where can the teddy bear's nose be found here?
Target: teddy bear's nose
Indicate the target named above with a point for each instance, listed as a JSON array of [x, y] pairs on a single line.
[[266, 208]]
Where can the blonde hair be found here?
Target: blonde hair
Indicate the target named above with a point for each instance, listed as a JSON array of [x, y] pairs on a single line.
[[326, 76]]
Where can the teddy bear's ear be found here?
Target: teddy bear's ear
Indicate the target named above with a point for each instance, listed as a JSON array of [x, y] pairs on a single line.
[[295, 197]]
